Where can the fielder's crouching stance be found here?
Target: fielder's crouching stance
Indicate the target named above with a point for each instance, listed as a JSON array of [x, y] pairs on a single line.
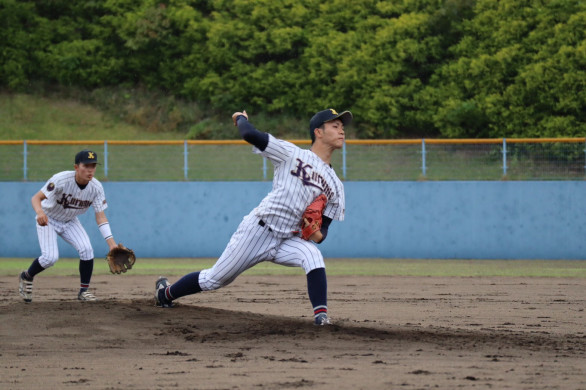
[[271, 232], [65, 196]]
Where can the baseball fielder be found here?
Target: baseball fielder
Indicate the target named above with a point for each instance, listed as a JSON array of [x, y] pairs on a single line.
[[270, 231], [65, 196]]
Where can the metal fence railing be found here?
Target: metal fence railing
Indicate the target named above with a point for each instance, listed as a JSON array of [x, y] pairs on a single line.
[[359, 160]]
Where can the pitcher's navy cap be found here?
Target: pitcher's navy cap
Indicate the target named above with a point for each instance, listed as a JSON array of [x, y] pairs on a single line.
[[326, 116], [86, 157]]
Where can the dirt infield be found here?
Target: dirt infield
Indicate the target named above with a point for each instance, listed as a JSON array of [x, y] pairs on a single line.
[[389, 333]]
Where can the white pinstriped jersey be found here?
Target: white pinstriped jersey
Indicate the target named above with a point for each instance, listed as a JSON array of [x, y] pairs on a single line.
[[65, 200], [300, 176]]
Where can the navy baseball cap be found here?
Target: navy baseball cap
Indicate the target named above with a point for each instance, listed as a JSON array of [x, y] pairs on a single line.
[[326, 116], [86, 157]]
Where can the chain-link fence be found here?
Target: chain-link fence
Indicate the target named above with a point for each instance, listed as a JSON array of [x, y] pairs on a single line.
[[359, 160]]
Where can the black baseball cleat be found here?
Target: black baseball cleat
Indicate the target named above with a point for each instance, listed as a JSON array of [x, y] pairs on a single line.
[[160, 298], [86, 296], [322, 319], [25, 287]]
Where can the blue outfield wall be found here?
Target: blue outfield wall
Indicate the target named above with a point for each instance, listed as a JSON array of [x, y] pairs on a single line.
[[436, 220]]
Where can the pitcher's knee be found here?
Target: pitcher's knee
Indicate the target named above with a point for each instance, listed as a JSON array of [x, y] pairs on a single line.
[[313, 259], [210, 282]]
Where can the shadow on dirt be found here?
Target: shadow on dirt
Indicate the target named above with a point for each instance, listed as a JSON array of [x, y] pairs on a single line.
[[138, 318]]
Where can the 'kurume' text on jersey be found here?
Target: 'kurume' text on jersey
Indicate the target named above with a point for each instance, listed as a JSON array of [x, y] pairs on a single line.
[[65, 200], [300, 176]]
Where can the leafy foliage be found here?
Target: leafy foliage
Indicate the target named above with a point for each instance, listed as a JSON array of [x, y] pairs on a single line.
[[519, 71], [455, 68]]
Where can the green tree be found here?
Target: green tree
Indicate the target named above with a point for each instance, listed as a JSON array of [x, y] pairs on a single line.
[[20, 35], [518, 72]]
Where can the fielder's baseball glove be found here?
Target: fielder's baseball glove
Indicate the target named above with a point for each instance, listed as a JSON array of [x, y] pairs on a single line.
[[120, 259], [312, 217]]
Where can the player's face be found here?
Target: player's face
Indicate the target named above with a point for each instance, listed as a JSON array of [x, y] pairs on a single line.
[[334, 133], [84, 172]]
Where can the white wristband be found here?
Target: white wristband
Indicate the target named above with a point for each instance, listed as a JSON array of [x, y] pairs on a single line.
[[105, 230]]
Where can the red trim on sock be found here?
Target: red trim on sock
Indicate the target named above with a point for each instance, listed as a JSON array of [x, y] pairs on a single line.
[[320, 310], [168, 293]]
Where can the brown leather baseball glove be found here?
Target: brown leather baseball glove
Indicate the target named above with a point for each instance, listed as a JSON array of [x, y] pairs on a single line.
[[120, 259], [312, 217]]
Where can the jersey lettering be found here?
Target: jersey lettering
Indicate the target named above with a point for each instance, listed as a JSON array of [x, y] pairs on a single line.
[[328, 192], [301, 173], [312, 178], [69, 202]]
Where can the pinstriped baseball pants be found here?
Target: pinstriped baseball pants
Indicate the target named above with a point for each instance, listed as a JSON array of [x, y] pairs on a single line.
[[252, 244], [71, 231]]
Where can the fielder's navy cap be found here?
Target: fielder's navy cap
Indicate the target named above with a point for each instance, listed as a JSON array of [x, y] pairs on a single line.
[[86, 157], [326, 116]]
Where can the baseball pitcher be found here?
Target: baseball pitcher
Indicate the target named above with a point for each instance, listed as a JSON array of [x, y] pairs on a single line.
[[285, 227]]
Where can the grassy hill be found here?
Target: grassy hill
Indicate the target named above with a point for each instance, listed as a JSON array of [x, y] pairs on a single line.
[[41, 118], [139, 116], [58, 113]]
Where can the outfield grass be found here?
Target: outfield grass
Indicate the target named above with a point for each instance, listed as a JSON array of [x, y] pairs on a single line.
[[347, 267]]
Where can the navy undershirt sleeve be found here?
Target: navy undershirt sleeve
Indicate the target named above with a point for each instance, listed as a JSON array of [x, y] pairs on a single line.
[[251, 135], [325, 224]]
